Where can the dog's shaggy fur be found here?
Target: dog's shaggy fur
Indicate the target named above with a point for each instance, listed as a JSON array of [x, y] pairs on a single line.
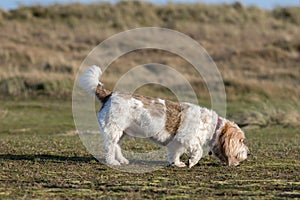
[[181, 127]]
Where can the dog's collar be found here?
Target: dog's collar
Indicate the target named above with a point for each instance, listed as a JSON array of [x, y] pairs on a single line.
[[219, 122], [218, 125]]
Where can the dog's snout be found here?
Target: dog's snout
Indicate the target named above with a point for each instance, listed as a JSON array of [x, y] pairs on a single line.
[[248, 153]]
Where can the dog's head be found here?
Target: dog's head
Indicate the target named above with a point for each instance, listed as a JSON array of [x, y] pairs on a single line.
[[230, 147]]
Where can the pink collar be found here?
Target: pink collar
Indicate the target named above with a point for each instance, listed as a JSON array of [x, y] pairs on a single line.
[[219, 122]]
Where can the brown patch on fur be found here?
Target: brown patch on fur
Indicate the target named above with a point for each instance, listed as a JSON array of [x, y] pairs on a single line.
[[174, 116], [102, 93], [152, 104], [174, 111]]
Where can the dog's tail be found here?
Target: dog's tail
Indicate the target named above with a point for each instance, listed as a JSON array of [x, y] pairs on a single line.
[[89, 81]]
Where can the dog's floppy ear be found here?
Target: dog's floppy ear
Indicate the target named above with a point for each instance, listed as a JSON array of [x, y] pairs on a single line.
[[227, 144]]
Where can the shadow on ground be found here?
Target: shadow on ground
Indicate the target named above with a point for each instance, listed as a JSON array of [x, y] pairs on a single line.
[[46, 157]]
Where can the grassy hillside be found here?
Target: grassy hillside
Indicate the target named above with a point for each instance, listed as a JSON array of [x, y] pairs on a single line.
[[256, 51]]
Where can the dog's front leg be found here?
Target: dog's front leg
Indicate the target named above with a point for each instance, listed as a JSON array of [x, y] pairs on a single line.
[[196, 155], [175, 150]]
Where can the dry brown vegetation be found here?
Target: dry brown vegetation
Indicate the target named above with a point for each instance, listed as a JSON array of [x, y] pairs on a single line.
[[257, 51]]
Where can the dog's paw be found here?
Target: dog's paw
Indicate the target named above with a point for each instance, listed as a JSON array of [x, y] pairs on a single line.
[[179, 164], [191, 163], [124, 161], [113, 162]]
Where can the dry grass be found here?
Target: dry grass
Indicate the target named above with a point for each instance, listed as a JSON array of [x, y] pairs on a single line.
[[257, 52]]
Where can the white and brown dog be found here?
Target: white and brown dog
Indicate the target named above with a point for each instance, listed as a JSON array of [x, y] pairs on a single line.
[[181, 127]]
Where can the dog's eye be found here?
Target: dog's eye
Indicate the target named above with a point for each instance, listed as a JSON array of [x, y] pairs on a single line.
[[242, 140]]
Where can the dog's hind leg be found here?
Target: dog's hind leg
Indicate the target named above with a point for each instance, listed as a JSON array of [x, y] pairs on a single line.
[[119, 155], [110, 156], [196, 154], [175, 150], [112, 135]]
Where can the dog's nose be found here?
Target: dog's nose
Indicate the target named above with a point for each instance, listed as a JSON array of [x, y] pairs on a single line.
[[248, 153]]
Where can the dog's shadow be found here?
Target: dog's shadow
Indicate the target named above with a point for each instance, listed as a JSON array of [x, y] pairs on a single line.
[[88, 159], [58, 158], [46, 157]]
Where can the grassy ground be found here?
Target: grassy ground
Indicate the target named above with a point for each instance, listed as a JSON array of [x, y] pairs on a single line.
[[41, 158], [41, 48]]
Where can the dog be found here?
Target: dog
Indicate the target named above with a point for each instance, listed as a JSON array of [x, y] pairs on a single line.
[[181, 127]]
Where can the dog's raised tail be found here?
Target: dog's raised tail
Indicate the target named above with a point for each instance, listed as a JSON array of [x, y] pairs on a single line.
[[89, 81]]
